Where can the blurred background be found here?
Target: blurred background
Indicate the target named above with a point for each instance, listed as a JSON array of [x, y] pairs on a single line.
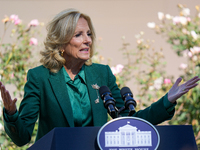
[[126, 31], [112, 19]]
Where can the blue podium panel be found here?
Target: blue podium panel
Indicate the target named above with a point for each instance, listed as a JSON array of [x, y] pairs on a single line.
[[176, 137], [172, 137], [65, 138]]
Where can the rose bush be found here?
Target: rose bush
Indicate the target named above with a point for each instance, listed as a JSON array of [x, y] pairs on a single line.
[[183, 34], [15, 59]]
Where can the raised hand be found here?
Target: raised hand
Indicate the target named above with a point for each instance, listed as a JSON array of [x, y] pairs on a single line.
[[177, 91], [9, 104]]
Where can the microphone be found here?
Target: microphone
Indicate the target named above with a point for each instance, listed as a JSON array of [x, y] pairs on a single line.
[[108, 100], [127, 97]]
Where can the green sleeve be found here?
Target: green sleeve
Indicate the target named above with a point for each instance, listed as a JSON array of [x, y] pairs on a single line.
[[156, 113], [19, 127], [10, 118], [168, 105]]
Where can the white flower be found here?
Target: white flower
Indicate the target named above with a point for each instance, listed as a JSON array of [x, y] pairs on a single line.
[[141, 32], [139, 41], [199, 15], [194, 58], [180, 19], [185, 11], [151, 88], [168, 16], [123, 37], [161, 16], [183, 20], [151, 25], [137, 36], [1, 126], [157, 86], [194, 35], [183, 66], [158, 83], [195, 50]]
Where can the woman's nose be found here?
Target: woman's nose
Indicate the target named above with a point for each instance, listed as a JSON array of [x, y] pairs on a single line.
[[88, 40]]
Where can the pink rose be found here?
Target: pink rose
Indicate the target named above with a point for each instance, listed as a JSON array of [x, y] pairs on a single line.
[[34, 23], [117, 69], [33, 41], [176, 20], [167, 81], [195, 50], [15, 19], [12, 75]]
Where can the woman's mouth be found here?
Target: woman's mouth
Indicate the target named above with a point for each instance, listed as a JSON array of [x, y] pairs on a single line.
[[85, 50]]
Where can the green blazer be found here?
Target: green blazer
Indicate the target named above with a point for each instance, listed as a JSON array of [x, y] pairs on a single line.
[[46, 98]]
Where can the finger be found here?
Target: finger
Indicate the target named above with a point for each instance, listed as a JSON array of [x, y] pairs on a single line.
[[184, 92], [177, 81], [3, 93], [15, 100], [180, 94], [190, 82], [194, 78], [8, 97], [192, 86]]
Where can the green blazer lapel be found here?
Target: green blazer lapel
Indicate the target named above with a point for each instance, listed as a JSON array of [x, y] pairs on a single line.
[[92, 77], [57, 82]]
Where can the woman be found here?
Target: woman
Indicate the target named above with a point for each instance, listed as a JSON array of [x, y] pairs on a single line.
[[63, 91]]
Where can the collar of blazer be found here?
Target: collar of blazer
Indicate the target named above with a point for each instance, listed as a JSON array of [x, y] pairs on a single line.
[[60, 91]]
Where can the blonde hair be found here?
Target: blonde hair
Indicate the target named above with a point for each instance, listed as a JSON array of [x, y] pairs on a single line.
[[59, 32]]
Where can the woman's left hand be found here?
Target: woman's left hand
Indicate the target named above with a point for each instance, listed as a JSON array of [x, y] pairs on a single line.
[[177, 91]]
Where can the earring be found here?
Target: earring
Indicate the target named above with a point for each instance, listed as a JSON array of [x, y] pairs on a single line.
[[62, 53]]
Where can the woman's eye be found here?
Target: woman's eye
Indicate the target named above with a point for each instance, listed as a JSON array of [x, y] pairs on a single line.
[[89, 34], [77, 35]]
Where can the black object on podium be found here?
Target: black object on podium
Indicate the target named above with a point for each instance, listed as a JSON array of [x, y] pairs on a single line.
[[172, 137]]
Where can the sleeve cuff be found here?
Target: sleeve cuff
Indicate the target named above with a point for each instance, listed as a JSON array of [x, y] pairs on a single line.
[[168, 105], [10, 118]]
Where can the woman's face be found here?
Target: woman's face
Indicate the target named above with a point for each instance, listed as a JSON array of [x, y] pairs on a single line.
[[78, 49]]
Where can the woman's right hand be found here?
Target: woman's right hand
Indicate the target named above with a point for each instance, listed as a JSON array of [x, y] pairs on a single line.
[[9, 104]]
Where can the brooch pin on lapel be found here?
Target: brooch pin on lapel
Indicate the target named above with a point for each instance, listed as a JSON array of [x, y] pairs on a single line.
[[96, 87]]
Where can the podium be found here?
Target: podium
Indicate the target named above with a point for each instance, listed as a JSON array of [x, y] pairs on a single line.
[[172, 137]]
